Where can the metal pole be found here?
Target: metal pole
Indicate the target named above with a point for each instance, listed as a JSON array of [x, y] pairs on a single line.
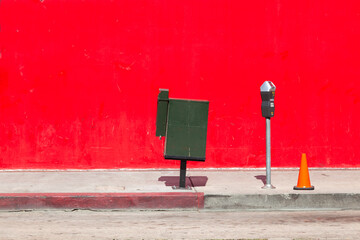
[[182, 174], [268, 156]]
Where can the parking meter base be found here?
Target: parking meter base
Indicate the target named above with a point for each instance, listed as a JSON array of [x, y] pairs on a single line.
[[268, 186], [181, 188]]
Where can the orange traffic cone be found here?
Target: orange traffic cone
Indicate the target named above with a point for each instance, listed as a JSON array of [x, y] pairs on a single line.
[[304, 178]]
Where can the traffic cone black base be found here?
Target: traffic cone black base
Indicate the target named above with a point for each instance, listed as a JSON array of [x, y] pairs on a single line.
[[304, 188]]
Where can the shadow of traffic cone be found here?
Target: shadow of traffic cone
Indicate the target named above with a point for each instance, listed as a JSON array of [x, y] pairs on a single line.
[[304, 178]]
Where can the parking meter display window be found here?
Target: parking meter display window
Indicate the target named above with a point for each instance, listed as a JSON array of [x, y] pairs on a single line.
[[267, 105], [186, 130]]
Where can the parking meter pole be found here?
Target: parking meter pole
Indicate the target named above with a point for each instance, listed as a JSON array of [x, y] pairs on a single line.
[[268, 155], [268, 151], [182, 174]]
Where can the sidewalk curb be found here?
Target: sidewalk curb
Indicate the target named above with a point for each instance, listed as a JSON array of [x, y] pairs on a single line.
[[284, 201], [178, 200], [24, 201]]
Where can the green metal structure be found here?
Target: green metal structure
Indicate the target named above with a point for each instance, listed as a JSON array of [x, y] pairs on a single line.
[[184, 125]]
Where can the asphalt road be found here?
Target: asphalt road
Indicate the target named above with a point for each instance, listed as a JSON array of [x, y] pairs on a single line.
[[180, 225]]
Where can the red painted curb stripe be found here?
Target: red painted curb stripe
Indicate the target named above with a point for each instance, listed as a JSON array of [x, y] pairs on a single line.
[[18, 201]]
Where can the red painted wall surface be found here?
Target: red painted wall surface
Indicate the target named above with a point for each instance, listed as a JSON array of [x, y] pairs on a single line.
[[79, 80]]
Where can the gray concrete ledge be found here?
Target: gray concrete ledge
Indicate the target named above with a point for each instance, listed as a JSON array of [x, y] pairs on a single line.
[[283, 201]]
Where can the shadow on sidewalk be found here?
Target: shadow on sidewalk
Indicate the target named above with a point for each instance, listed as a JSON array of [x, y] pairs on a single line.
[[262, 178], [193, 181]]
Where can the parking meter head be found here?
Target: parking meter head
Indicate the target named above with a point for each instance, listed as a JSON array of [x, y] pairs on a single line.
[[267, 92], [162, 111], [267, 86]]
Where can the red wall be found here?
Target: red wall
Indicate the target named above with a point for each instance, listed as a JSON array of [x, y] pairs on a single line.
[[79, 80]]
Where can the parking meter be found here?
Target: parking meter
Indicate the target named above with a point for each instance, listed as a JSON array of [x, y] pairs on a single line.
[[267, 92]]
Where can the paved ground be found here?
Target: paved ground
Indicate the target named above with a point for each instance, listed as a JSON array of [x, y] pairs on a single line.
[[208, 181], [179, 225], [211, 189]]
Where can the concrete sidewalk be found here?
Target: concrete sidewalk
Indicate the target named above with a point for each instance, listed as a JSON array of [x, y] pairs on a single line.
[[152, 189]]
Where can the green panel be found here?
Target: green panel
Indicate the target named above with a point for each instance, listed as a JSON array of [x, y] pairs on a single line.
[[162, 110], [178, 112], [198, 113], [197, 141], [176, 140], [186, 131]]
